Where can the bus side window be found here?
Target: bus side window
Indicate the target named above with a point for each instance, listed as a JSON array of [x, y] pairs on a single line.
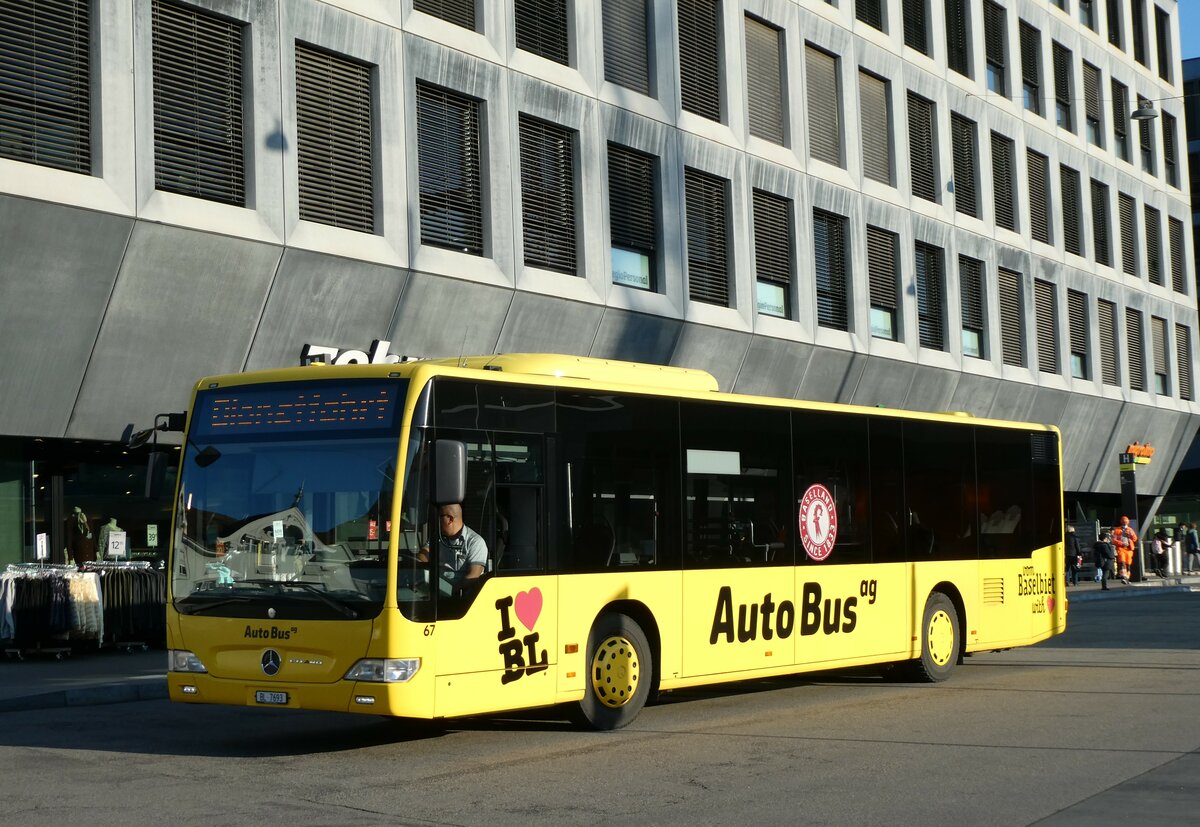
[[887, 491], [830, 453], [942, 518]]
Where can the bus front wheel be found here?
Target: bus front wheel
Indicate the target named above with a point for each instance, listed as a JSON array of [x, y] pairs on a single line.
[[620, 672], [941, 640]]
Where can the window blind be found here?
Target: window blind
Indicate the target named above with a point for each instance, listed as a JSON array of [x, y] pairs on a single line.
[[824, 127], [1100, 222], [881, 268], [1070, 210], [632, 188], [920, 147], [915, 27], [1011, 325], [699, 61], [451, 188], [965, 151], [931, 328], [541, 28], [1062, 83], [1127, 208], [958, 45], [1175, 240], [1183, 355], [876, 127], [458, 12], [1044, 310], [1002, 181], [1154, 246], [764, 79], [1137, 349], [970, 277], [1077, 323], [1106, 313], [870, 12], [1158, 341], [829, 247], [707, 245], [1039, 217], [772, 237], [547, 194], [626, 44]]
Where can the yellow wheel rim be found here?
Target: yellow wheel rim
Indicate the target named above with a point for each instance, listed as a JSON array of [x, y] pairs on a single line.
[[940, 635], [615, 672]]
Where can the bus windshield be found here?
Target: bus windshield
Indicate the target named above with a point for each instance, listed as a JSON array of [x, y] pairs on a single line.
[[285, 497]]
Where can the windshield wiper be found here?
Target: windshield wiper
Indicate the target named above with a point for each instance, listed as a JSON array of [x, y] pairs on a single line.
[[188, 608], [311, 589]]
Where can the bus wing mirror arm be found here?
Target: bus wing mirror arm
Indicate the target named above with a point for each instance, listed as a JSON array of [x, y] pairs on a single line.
[[450, 472]]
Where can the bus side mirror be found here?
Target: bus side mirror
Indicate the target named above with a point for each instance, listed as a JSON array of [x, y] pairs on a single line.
[[157, 463], [450, 470]]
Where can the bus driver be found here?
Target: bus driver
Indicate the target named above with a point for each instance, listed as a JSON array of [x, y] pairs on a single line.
[[462, 552]]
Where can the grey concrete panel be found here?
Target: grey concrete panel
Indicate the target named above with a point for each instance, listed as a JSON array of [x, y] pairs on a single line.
[[57, 268], [932, 389], [186, 304], [720, 352], [440, 317], [884, 382], [1088, 427], [1013, 401], [324, 300], [773, 367], [974, 394], [1141, 423], [544, 324], [1048, 406], [636, 337], [832, 375]]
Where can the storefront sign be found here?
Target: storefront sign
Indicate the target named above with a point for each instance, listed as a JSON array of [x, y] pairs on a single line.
[[116, 545], [328, 355], [43, 547], [1141, 454], [152, 536]]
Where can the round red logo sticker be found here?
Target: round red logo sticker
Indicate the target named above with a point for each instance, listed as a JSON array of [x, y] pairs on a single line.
[[818, 522]]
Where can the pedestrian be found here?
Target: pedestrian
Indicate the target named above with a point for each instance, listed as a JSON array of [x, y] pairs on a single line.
[[1074, 556], [1124, 541], [1102, 556], [1191, 549], [1162, 548]]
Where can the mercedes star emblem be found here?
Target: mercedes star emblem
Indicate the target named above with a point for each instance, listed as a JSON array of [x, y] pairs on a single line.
[[270, 663]]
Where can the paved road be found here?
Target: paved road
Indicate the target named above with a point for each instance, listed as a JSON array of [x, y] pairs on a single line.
[[1099, 726]]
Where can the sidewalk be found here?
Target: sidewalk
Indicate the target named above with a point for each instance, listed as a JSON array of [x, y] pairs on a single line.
[[108, 676]]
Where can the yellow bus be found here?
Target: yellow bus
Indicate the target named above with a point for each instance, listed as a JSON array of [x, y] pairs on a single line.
[[630, 530]]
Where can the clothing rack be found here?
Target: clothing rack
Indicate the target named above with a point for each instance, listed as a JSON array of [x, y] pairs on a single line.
[[100, 565]]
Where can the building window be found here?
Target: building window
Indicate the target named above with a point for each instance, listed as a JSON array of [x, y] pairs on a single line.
[[1046, 313], [772, 253], [1012, 333], [626, 44], [870, 12], [1077, 327], [705, 198], [1138, 13], [1183, 357], [1106, 313], [970, 277], [1158, 341], [198, 143], [1170, 160], [966, 153], [541, 28], [1100, 224], [699, 57], [958, 42], [1003, 183], [884, 281], [994, 37], [916, 27], [548, 194], [764, 80], [875, 111], [1039, 195], [920, 147], [1091, 103], [335, 138], [931, 291], [1072, 238], [1087, 13], [1175, 240], [1154, 246], [448, 151], [1113, 16], [1062, 87], [824, 119], [1120, 110], [829, 248], [45, 83], [633, 217], [458, 12], [1162, 32], [1146, 138], [1137, 349], [1127, 208], [1031, 67]]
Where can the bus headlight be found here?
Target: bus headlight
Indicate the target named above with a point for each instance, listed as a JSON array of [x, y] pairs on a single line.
[[378, 670], [181, 660]]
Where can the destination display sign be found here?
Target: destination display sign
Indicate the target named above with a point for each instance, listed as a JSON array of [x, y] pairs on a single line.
[[295, 408]]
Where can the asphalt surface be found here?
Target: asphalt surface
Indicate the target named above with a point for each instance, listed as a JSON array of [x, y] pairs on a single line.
[[91, 676]]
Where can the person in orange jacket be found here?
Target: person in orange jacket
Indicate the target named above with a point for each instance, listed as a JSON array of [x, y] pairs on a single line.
[[1124, 540]]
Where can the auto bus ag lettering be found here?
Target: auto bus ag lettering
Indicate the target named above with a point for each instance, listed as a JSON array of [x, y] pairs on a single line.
[[777, 620], [1039, 586], [521, 656]]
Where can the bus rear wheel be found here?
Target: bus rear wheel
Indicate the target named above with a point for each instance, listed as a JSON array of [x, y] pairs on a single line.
[[941, 640], [620, 672]]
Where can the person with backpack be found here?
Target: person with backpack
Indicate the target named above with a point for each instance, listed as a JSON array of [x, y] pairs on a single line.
[[1102, 557], [1190, 549]]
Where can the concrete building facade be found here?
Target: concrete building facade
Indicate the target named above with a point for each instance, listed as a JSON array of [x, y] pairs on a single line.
[[925, 204]]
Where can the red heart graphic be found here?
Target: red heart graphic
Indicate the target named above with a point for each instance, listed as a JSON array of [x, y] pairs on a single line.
[[1049, 604], [529, 606]]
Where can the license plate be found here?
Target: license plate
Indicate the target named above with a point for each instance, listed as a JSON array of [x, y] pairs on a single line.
[[271, 697]]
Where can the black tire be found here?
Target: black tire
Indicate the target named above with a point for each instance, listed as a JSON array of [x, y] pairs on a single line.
[[941, 640], [620, 673]]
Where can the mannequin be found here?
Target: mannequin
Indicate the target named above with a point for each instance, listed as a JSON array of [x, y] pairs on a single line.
[[105, 530], [81, 546]]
